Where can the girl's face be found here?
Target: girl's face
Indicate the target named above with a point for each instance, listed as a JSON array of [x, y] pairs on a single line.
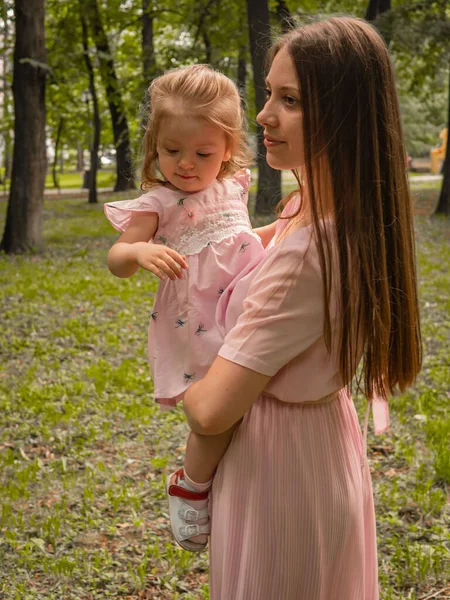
[[190, 152], [282, 116]]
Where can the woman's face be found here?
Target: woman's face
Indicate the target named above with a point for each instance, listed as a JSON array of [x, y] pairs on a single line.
[[282, 116]]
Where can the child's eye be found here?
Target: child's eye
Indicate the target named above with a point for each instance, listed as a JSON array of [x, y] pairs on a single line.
[[171, 151], [267, 93], [204, 154]]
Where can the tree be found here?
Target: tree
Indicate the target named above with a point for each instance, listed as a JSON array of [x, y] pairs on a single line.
[[23, 228], [6, 59], [420, 34], [269, 180], [284, 16], [444, 197], [96, 116], [376, 8], [124, 164], [148, 49]]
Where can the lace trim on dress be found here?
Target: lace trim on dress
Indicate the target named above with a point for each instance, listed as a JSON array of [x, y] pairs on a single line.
[[213, 228]]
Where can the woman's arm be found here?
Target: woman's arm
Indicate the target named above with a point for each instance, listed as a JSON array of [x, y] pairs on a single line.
[[266, 233], [222, 397], [132, 250]]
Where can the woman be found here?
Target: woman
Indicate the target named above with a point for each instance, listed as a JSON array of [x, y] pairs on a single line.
[[292, 504]]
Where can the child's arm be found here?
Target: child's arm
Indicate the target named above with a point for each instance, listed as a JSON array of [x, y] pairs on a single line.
[[266, 233], [133, 250]]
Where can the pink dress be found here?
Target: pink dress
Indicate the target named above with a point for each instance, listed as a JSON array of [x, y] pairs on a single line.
[[292, 505], [212, 229]]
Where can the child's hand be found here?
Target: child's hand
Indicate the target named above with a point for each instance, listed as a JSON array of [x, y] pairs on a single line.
[[160, 260]]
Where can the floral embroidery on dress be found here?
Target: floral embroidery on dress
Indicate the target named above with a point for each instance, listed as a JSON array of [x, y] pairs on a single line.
[[189, 376], [243, 246], [200, 329], [154, 316], [180, 323]]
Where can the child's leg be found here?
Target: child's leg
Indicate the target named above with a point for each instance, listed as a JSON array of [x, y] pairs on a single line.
[[203, 454]]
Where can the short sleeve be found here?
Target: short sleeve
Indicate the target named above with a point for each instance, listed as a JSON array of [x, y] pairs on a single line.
[[119, 213], [283, 313], [243, 178]]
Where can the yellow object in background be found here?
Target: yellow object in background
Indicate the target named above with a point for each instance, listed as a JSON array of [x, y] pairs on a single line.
[[438, 154]]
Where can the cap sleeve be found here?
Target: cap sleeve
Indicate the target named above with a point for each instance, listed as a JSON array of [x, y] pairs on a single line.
[[283, 313], [119, 213], [243, 178]]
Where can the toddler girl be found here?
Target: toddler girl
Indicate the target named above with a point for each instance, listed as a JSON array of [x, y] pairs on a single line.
[[191, 229]]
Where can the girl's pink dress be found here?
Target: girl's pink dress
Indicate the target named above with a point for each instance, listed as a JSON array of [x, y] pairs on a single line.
[[212, 229], [292, 505]]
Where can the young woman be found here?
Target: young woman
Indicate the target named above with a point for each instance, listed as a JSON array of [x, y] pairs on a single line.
[[292, 504]]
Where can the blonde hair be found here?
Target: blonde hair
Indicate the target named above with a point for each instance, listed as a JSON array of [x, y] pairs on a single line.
[[196, 91]]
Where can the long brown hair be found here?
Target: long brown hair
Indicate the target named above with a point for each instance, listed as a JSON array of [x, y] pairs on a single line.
[[351, 118], [195, 91]]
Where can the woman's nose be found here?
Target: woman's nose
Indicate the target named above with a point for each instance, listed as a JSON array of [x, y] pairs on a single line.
[[267, 116]]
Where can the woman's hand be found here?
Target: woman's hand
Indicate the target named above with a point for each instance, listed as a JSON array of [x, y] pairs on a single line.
[[160, 260]]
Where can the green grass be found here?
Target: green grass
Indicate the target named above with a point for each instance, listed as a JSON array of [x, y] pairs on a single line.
[[75, 180], [84, 449]]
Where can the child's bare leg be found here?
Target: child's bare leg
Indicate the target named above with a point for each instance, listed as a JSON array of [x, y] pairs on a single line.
[[203, 454]]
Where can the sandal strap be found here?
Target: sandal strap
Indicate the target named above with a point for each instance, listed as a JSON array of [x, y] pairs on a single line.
[[180, 492], [190, 531], [187, 513]]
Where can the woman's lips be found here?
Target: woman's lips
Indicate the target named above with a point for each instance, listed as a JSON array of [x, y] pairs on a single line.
[[270, 142]]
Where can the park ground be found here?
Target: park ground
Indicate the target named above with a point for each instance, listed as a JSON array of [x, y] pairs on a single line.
[[84, 450]]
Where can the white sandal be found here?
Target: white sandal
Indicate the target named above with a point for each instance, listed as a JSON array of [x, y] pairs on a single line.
[[183, 517]]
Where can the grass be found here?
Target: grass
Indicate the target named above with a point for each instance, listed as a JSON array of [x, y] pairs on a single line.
[[84, 450]]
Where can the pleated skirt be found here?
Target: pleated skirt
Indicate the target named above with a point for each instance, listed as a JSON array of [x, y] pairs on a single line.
[[292, 507]]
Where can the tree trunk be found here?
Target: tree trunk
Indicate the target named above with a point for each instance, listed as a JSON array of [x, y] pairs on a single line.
[[55, 158], [124, 163], [443, 206], [284, 16], [148, 48], [376, 8], [6, 93], [269, 180], [208, 47], [23, 229], [80, 160], [242, 73], [96, 115]]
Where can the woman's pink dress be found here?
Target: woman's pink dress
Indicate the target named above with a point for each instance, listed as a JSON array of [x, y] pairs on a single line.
[[212, 229], [292, 505]]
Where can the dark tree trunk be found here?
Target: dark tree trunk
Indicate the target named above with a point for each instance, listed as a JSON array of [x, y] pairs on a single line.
[[124, 163], [284, 16], [443, 206], [208, 47], [6, 93], [55, 159], [80, 161], [242, 73], [377, 8], [23, 229], [269, 180], [148, 48], [96, 115]]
